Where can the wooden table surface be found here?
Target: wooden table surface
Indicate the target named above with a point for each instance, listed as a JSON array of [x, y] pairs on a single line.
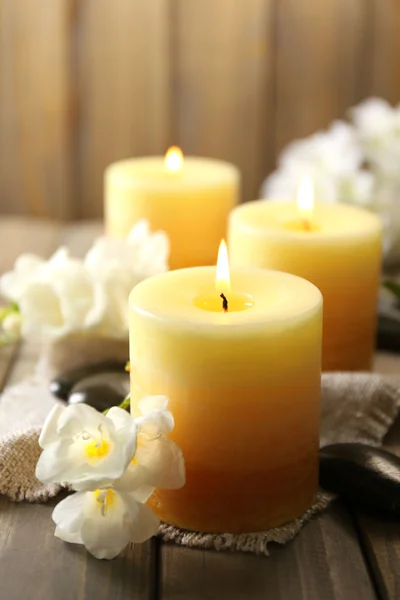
[[341, 555]]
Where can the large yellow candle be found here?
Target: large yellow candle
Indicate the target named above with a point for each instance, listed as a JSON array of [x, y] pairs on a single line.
[[190, 199], [336, 247], [244, 389]]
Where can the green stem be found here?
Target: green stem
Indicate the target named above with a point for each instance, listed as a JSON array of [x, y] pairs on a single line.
[[125, 404]]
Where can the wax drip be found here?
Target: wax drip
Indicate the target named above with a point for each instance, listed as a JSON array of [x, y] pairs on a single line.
[[224, 302]]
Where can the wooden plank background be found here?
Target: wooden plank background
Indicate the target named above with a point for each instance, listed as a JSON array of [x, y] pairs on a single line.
[[87, 82]]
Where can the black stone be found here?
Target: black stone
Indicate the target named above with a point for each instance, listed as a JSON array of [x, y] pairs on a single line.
[[62, 385], [101, 391], [362, 474], [388, 335]]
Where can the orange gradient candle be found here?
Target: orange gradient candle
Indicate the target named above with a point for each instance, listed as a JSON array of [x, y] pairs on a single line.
[[188, 197], [335, 246], [238, 355]]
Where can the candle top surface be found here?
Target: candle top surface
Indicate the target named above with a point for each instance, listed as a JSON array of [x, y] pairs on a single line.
[[329, 221], [275, 296], [151, 170]]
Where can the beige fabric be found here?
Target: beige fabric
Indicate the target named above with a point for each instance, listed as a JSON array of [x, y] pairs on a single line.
[[355, 407]]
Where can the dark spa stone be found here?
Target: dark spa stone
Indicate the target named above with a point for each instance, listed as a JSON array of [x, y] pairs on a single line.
[[388, 335], [363, 474], [101, 391], [62, 385]]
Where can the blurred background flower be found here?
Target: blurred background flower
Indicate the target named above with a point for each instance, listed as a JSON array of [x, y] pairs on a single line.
[[356, 162]]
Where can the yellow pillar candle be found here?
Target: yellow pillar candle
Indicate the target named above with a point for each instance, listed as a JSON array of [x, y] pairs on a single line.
[[336, 247], [190, 199], [243, 376]]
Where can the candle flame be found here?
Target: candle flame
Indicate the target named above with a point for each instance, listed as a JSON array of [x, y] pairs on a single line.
[[174, 159], [305, 198], [223, 279]]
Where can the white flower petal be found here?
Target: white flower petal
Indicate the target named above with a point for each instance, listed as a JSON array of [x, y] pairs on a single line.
[[143, 523], [142, 493], [79, 417], [106, 536], [158, 463], [40, 310], [49, 433], [68, 516], [139, 232], [164, 462], [155, 423], [54, 463], [85, 448], [14, 283], [125, 429]]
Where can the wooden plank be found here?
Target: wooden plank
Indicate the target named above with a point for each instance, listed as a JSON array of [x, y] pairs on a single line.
[[36, 565], [223, 89], [324, 561], [380, 536], [7, 356], [307, 67], [123, 73], [323, 57], [36, 125], [381, 540], [385, 42], [354, 53]]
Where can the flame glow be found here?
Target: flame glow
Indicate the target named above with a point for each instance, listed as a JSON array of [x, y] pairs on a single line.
[[223, 278], [174, 159], [305, 197]]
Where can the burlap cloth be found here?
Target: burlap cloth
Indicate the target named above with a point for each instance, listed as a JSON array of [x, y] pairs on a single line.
[[355, 407]]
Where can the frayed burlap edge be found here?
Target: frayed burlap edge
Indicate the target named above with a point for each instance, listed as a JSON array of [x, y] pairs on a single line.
[[19, 453], [256, 543]]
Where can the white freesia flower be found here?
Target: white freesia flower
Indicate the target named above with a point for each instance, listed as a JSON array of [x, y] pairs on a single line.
[[158, 461], [335, 152], [104, 521], [114, 462], [378, 128], [54, 297], [64, 295], [14, 284], [85, 448], [332, 159], [119, 264]]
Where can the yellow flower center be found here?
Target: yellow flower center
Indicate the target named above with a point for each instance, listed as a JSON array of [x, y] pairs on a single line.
[[97, 448], [139, 444], [106, 498]]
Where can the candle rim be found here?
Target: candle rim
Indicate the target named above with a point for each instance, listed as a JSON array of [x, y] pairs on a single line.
[[222, 172], [231, 320], [372, 223]]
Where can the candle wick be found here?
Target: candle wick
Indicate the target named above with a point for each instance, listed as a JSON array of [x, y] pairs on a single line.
[[224, 302]]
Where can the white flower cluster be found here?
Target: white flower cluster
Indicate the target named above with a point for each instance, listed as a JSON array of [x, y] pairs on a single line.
[[355, 162], [114, 463], [64, 295]]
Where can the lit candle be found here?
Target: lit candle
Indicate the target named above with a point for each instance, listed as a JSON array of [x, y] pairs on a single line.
[[189, 198], [239, 358], [336, 247]]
